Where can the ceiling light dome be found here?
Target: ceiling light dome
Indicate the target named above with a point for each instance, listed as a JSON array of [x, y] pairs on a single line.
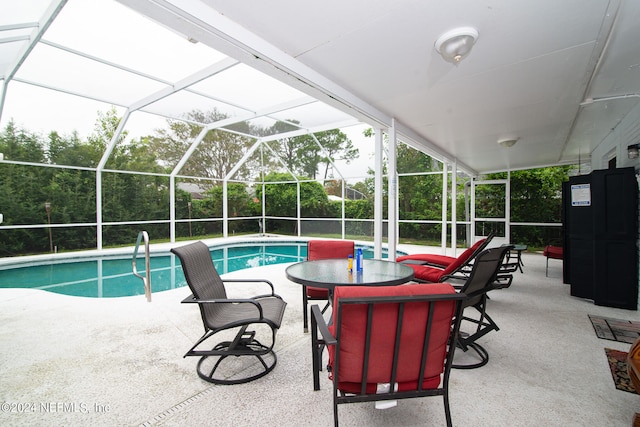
[[456, 44], [508, 142]]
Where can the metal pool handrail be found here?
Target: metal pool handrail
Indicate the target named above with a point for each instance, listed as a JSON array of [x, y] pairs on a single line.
[[146, 280]]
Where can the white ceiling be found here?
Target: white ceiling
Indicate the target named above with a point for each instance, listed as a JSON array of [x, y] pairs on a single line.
[[533, 65]]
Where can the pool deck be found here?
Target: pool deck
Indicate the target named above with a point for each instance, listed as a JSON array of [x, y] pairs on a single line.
[[85, 361]]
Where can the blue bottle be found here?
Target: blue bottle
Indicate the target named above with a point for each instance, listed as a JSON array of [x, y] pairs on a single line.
[[359, 259]]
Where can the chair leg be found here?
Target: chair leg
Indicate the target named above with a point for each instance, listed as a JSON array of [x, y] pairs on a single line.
[[317, 346], [244, 344], [485, 324], [335, 407], [305, 312], [447, 409], [546, 273], [315, 354], [484, 356], [305, 309]]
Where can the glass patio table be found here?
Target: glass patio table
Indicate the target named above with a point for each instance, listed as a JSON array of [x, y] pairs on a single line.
[[329, 273]]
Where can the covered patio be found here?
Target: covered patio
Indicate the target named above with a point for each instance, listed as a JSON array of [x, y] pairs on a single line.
[[119, 362], [566, 93], [544, 84]]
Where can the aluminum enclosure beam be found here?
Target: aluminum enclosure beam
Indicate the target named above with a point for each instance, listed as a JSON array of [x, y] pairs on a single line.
[[196, 21]]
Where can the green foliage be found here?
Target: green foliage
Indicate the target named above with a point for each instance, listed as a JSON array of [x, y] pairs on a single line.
[[356, 209], [72, 193], [303, 156], [282, 196], [535, 194], [541, 188], [238, 199], [216, 155], [336, 147], [20, 145]]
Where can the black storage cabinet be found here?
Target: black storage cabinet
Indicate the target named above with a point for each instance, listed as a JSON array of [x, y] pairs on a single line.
[[600, 218]]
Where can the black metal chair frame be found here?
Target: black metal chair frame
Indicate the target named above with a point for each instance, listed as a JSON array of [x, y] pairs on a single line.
[[485, 276], [504, 277], [305, 307], [221, 313], [306, 298], [318, 323]]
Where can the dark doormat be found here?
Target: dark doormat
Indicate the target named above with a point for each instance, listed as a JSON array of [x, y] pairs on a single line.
[[615, 329], [618, 364]]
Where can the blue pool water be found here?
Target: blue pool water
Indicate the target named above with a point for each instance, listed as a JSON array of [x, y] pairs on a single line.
[[111, 276]]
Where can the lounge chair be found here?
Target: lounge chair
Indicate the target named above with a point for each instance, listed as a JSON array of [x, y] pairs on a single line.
[[219, 313], [460, 269], [388, 335], [443, 261], [323, 249]]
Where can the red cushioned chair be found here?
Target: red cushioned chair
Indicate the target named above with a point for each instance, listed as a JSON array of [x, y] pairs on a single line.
[[402, 335], [322, 249], [553, 252], [458, 268], [427, 273], [443, 261]]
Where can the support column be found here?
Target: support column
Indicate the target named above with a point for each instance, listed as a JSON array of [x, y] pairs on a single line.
[[299, 211], [507, 209], [172, 208], [98, 209], [225, 208], [378, 210], [393, 193], [443, 235], [454, 210]]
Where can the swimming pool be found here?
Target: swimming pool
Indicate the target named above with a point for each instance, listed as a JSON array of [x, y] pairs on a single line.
[[108, 276]]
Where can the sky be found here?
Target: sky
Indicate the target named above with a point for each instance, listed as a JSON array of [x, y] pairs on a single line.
[[140, 45]]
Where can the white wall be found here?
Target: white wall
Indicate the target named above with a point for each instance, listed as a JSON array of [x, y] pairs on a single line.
[[626, 133]]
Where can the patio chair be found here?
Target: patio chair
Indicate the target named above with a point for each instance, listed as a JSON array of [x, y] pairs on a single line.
[[381, 335], [483, 278], [459, 268], [443, 261], [220, 313], [322, 249], [553, 252]]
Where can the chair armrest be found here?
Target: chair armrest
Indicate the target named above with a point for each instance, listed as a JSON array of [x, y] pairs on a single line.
[[189, 299], [250, 281], [322, 326], [192, 299], [502, 281], [319, 324]]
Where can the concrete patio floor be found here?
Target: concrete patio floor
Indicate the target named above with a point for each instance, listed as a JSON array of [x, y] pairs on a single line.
[[83, 361]]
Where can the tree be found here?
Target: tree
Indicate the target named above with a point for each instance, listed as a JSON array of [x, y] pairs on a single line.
[[21, 145], [536, 196], [22, 195], [303, 156], [217, 154], [72, 193], [288, 149], [336, 147]]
